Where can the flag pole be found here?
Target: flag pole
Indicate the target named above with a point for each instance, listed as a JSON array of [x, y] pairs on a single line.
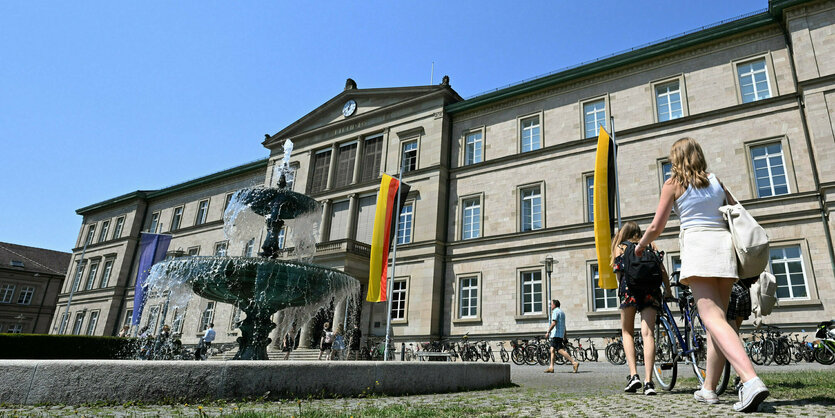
[[390, 283], [617, 180]]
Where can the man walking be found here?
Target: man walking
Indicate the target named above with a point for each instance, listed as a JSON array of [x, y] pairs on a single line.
[[556, 334], [207, 339]]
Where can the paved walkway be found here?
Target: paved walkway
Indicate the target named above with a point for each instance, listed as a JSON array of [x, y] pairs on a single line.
[[595, 391]]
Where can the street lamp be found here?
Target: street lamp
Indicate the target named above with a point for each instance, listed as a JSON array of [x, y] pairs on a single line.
[[549, 268]]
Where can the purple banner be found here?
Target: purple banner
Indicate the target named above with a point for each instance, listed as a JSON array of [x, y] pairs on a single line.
[[152, 248]]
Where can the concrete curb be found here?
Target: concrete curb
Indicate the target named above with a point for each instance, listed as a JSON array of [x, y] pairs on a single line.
[[86, 381]]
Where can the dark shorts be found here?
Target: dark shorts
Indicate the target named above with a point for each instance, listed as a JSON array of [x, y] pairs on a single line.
[[557, 343], [639, 298], [326, 346], [740, 303]]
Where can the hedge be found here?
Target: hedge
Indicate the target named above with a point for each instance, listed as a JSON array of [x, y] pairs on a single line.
[[66, 347]]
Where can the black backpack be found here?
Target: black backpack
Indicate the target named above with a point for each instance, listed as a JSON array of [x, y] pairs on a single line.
[[641, 273]]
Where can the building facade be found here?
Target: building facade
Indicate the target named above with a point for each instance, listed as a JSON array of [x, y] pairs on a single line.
[[30, 279], [502, 180]]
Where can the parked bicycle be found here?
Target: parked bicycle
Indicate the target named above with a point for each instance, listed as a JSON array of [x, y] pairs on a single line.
[[503, 353], [614, 351]]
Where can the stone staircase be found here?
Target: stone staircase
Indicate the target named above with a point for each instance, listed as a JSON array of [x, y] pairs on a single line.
[[302, 354]]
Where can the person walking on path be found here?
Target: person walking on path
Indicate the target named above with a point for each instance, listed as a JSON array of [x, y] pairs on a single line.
[[709, 265], [642, 296], [289, 342], [207, 339], [326, 340], [556, 335]]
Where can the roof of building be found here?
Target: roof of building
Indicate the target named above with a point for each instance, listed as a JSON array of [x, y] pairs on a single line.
[[32, 259], [148, 194], [723, 29]]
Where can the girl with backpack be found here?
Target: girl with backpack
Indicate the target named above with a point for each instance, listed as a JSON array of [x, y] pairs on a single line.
[[709, 265], [639, 290]]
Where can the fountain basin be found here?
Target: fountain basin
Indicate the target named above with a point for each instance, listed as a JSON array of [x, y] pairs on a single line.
[[75, 382]]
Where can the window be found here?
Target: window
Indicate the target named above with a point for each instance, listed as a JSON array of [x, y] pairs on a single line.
[[321, 166], [530, 134], [25, 296], [207, 317], [473, 148], [371, 157], [64, 322], [365, 218], [666, 170], [79, 321], [594, 116], [91, 232], [249, 250], [604, 299], [128, 317], [193, 251], [91, 275], [15, 328], [345, 164], [398, 300], [16, 263], [236, 317], [468, 297], [769, 170], [177, 322], [531, 209], [590, 198], [753, 80], [404, 225], [787, 266], [281, 235], [104, 228], [220, 248], [226, 202], [409, 160], [120, 223], [7, 293], [154, 223], [202, 212], [91, 325], [531, 292], [177, 218], [471, 224], [668, 101], [79, 271], [153, 320], [105, 276], [339, 220]]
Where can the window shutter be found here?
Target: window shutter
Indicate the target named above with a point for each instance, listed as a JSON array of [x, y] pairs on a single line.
[[339, 221], [365, 218]]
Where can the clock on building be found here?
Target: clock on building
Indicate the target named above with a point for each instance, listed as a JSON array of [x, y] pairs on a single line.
[[349, 108]]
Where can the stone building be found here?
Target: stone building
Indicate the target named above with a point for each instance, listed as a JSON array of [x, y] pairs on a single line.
[[30, 279], [501, 180]]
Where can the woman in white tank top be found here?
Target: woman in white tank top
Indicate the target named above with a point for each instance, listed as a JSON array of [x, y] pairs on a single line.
[[708, 265]]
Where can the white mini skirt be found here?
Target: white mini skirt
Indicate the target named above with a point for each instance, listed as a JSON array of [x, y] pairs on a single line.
[[707, 252]]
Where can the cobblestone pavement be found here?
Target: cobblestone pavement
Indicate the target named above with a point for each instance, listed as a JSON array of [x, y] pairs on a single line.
[[595, 391]]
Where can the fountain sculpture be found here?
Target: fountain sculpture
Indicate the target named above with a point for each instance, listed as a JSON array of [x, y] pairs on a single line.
[[260, 286]]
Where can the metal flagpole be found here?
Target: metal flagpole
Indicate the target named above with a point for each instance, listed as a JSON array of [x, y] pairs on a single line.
[[72, 287], [617, 180], [390, 283]]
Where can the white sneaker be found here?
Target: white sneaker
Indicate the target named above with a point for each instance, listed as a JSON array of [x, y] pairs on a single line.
[[706, 396], [751, 395]]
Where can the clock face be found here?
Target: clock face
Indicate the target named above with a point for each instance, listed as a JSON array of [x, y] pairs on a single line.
[[349, 108]]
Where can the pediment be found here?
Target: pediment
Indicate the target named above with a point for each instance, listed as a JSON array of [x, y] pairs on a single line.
[[368, 102]]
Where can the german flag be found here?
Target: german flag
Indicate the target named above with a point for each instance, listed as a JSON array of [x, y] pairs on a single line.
[[385, 224], [604, 208]]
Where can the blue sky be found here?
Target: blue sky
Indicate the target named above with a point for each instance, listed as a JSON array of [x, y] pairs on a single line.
[[98, 99]]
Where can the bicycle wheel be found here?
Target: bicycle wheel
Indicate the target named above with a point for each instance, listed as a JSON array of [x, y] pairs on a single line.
[[543, 355], [485, 354], [410, 355], [665, 369], [504, 356], [579, 354], [755, 353], [824, 356], [591, 354], [769, 350], [517, 356], [783, 354], [492, 356], [531, 355], [699, 359], [611, 353]]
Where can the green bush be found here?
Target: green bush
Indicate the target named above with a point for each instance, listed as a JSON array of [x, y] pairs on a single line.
[[66, 347]]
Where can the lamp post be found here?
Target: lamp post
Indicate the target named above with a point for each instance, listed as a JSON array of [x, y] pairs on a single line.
[[549, 268]]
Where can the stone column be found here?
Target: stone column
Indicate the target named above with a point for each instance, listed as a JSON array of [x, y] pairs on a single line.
[[339, 314], [277, 335], [325, 224], [304, 338], [332, 167], [358, 161], [352, 216]]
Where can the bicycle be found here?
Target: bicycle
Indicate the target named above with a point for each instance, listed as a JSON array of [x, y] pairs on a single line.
[[517, 354], [670, 346], [591, 351], [614, 351], [578, 352], [486, 351], [825, 347], [503, 353]]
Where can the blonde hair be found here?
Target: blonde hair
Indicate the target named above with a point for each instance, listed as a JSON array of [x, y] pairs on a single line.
[[629, 231], [688, 164]]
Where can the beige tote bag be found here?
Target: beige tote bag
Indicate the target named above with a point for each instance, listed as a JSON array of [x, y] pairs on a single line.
[[750, 239]]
